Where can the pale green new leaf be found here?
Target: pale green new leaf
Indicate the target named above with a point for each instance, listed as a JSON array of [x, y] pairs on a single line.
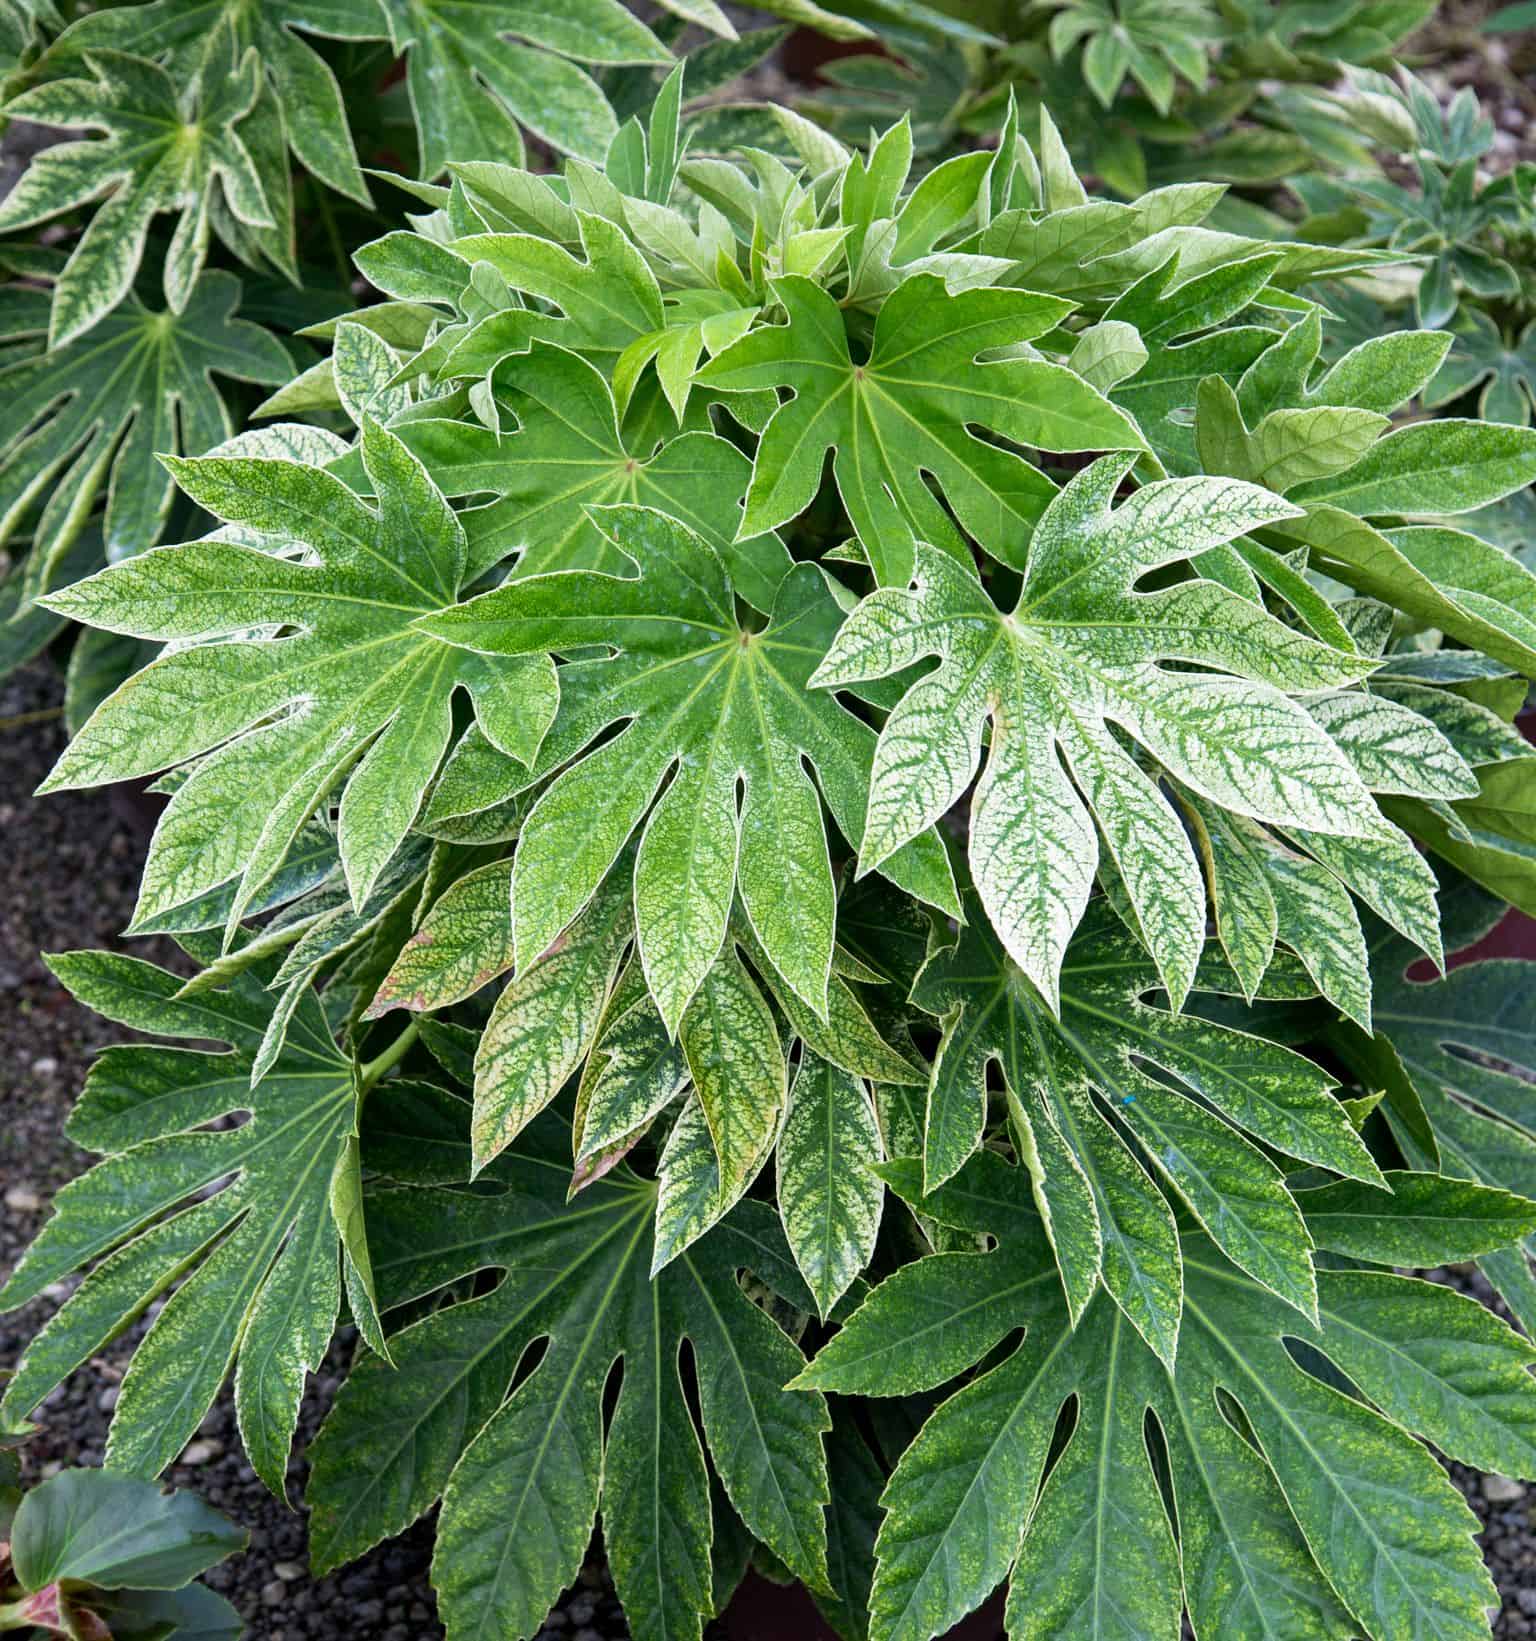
[[1187, 323], [1082, 651], [1431, 469], [239, 1221], [568, 454], [1285, 449], [523, 1472], [908, 411], [718, 708], [355, 698]]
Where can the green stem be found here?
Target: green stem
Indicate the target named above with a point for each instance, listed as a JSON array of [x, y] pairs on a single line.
[[328, 219], [22, 719], [390, 1058]]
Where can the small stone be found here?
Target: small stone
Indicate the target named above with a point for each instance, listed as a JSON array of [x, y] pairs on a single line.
[[274, 1593], [1525, 1600], [288, 1571], [23, 1199], [200, 1452], [1501, 1490], [581, 1608], [586, 1635], [107, 1400], [44, 1066]]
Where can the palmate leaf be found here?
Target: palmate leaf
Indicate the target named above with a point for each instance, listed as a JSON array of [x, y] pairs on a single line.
[[1161, 1075], [1503, 366], [1381, 373], [523, 1471], [286, 719], [314, 117], [1187, 325], [167, 148], [244, 1219], [568, 453], [100, 410], [479, 70], [1082, 651], [716, 706], [908, 411], [1307, 1512], [1152, 43]]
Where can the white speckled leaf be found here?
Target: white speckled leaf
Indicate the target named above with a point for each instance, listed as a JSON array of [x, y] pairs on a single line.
[[355, 697], [1080, 653], [718, 722], [829, 1196], [160, 154]]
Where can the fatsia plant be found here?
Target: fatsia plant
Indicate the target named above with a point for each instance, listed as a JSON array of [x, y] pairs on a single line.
[[798, 769]]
